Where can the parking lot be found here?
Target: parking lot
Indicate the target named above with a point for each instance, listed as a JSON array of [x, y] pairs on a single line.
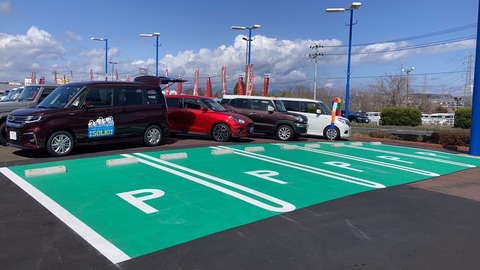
[[134, 204]]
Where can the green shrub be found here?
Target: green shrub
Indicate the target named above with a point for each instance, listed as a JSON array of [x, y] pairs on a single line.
[[401, 117], [463, 118]]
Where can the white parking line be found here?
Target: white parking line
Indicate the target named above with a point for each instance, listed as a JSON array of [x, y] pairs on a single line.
[[417, 156], [284, 206], [369, 161], [306, 168], [110, 251]]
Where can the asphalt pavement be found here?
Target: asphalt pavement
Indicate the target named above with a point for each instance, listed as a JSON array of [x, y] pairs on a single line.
[[430, 224]]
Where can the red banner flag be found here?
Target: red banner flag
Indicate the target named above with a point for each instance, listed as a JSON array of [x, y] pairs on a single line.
[[224, 80], [240, 85], [208, 87], [266, 80], [179, 86], [250, 80], [195, 85], [167, 89]]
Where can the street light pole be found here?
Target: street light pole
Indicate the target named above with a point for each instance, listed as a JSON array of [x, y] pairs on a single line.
[[249, 44], [407, 71], [354, 6], [106, 54], [255, 26], [156, 34]]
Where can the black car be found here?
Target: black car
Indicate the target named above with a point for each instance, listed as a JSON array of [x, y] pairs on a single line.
[[357, 117]]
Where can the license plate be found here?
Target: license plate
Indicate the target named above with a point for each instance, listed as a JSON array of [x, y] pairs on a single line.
[[13, 135]]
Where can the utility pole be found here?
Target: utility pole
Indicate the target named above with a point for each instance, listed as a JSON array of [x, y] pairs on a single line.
[[407, 71], [468, 82], [315, 56]]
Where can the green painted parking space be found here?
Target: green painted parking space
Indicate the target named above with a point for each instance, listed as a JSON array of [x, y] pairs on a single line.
[[160, 199]]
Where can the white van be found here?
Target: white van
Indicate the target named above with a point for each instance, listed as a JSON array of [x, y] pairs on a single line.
[[375, 117], [319, 117]]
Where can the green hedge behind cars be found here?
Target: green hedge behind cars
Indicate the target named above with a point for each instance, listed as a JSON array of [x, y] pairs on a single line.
[[463, 118], [401, 117]]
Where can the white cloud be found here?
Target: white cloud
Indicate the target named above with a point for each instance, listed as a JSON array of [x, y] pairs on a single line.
[[286, 61]]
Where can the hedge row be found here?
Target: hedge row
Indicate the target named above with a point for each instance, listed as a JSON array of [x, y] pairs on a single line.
[[445, 138]]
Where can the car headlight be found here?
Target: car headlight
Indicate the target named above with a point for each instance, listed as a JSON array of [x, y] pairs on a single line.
[[298, 118], [34, 118], [238, 120], [343, 120]]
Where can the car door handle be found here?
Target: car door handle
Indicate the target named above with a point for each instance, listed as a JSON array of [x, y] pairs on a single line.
[[252, 113]]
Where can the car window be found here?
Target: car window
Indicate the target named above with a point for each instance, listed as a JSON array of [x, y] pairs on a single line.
[[99, 97], [243, 103], [190, 103], [129, 96], [291, 105], [225, 101], [45, 93], [155, 96], [214, 105], [308, 107], [174, 102], [60, 97], [260, 104], [29, 93], [279, 105]]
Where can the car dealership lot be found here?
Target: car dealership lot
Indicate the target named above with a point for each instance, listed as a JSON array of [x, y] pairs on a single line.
[[148, 211]]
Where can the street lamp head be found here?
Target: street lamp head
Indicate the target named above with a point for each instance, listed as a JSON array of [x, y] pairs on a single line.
[[98, 39], [239, 27], [335, 10], [156, 34], [255, 26], [355, 5]]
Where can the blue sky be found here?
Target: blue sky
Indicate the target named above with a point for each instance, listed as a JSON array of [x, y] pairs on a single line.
[[435, 37]]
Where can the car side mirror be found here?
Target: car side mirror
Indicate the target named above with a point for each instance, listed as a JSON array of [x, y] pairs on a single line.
[[319, 111], [270, 109], [203, 108]]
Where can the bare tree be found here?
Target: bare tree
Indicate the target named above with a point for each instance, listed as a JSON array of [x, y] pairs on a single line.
[[389, 90]]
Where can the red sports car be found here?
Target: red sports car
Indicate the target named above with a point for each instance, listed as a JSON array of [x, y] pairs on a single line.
[[203, 115]]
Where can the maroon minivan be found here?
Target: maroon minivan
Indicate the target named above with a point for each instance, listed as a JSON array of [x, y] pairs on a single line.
[[83, 113]]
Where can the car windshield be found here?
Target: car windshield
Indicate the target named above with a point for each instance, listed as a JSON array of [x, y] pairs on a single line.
[[325, 108], [280, 106], [29, 93], [59, 97], [214, 105], [13, 95]]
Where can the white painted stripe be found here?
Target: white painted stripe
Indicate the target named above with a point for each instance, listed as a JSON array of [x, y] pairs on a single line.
[[370, 161], [114, 254], [451, 162], [310, 169], [284, 206]]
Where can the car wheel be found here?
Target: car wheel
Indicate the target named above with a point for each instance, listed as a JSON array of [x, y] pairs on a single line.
[[285, 133], [3, 134], [153, 136], [221, 132], [331, 133], [60, 144]]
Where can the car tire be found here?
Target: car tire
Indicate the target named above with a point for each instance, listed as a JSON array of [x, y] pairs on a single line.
[[153, 136], [221, 132], [285, 133], [331, 133], [3, 134], [60, 144]]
